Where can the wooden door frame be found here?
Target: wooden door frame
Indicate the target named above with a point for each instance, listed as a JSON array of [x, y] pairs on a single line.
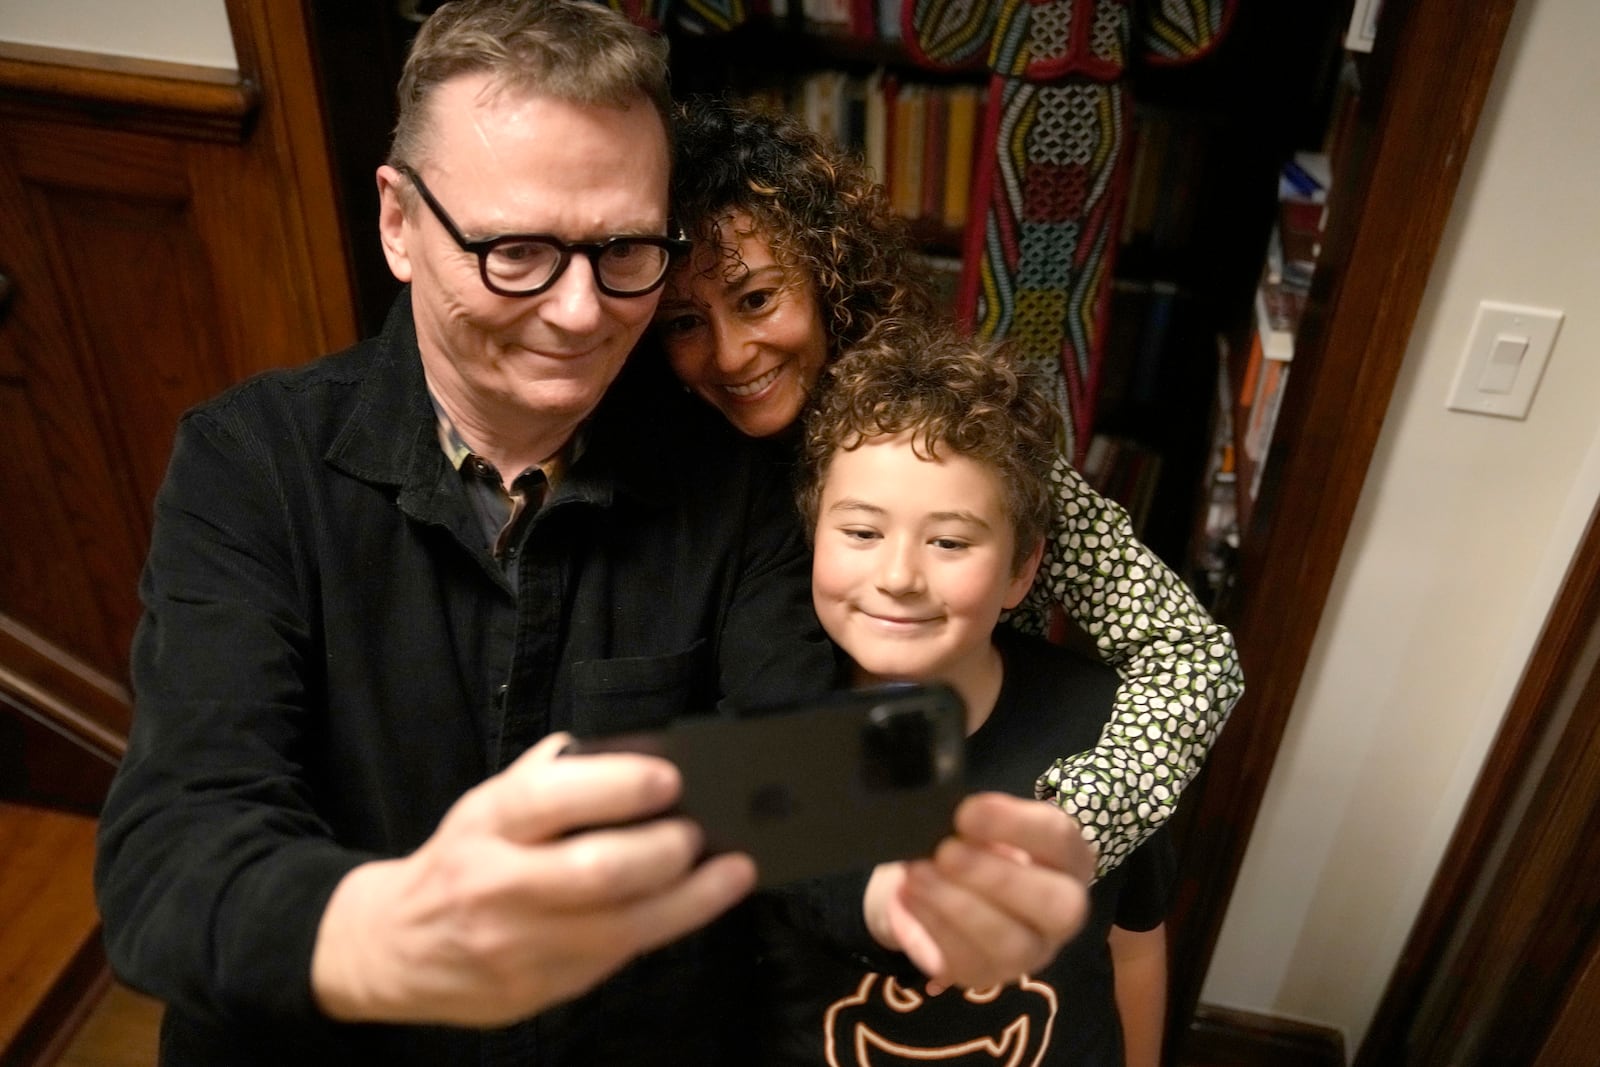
[[1516, 892], [1423, 89]]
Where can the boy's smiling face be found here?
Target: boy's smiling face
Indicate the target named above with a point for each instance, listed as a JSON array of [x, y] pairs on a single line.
[[913, 563]]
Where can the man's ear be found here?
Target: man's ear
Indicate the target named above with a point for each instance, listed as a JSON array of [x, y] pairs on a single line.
[[393, 228], [1022, 581]]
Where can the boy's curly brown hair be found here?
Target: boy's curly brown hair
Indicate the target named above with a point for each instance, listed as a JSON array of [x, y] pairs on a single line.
[[950, 393], [818, 207]]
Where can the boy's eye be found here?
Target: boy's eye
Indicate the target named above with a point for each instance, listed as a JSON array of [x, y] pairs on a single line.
[[949, 544], [856, 533]]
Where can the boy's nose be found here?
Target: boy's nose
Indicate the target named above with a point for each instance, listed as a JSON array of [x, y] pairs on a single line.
[[898, 572]]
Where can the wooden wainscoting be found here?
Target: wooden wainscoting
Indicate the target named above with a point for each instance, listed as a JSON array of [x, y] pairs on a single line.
[[167, 231]]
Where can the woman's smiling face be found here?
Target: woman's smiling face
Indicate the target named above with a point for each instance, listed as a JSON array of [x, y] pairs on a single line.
[[744, 331]]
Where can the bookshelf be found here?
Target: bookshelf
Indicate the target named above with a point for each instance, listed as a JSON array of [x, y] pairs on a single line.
[[914, 126]]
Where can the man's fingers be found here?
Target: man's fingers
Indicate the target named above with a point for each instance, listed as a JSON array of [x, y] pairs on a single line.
[[1048, 902], [981, 944], [1046, 833], [601, 868], [913, 938], [708, 891], [539, 798]]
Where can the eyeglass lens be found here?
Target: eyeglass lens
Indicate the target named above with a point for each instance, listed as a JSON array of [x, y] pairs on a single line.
[[622, 264]]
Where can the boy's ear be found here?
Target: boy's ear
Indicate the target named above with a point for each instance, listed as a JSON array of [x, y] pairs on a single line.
[[1022, 581]]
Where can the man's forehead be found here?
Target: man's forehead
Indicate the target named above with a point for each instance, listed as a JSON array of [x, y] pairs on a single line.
[[479, 109]]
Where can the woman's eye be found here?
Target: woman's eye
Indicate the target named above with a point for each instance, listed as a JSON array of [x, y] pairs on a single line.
[[677, 323], [757, 300]]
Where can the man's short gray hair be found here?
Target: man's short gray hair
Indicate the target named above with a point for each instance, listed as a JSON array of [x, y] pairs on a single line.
[[572, 50]]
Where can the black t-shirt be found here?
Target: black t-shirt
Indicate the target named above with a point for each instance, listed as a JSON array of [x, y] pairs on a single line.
[[823, 1005]]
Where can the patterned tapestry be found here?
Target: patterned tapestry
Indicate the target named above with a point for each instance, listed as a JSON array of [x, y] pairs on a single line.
[[1052, 175]]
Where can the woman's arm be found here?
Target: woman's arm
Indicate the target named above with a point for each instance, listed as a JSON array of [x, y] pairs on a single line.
[[1139, 971], [1180, 672]]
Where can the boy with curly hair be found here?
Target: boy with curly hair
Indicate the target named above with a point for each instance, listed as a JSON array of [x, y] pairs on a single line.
[[924, 483]]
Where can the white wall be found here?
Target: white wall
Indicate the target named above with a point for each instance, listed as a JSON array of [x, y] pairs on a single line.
[[1462, 535], [175, 31]]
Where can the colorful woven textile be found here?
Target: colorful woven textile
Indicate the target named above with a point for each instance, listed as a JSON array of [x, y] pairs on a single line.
[[1050, 187], [691, 16], [651, 14]]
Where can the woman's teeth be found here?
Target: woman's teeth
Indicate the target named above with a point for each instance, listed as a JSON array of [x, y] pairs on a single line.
[[751, 388]]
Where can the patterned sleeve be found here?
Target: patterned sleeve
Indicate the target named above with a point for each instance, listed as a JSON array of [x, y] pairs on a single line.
[[1180, 672]]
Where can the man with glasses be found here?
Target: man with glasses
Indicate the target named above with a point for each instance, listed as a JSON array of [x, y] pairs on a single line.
[[381, 586]]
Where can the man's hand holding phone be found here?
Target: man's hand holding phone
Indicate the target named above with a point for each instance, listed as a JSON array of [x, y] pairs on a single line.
[[537, 884], [998, 898]]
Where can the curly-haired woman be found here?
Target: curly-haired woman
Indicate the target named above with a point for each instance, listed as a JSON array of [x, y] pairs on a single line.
[[796, 256]]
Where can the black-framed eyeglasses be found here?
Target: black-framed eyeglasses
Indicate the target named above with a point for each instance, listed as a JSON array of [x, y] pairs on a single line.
[[526, 264]]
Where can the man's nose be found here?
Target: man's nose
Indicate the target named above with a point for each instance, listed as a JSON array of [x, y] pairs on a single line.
[[573, 302]]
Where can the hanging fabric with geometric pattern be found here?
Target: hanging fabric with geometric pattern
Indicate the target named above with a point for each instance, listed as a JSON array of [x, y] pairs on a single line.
[[1053, 159]]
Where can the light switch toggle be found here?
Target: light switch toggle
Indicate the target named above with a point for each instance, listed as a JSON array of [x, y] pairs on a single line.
[[1505, 357]]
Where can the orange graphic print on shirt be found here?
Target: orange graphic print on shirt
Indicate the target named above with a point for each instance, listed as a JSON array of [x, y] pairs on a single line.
[[885, 1024]]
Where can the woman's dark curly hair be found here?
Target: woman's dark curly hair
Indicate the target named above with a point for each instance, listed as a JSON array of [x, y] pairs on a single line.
[[818, 207], [953, 395]]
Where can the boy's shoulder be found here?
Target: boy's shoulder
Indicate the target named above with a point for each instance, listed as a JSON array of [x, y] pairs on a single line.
[[1052, 701], [1062, 679]]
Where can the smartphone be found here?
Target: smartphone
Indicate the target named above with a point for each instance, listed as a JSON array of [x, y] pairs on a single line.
[[846, 781]]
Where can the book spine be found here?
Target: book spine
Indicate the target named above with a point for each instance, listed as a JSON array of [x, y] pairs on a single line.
[[935, 147], [962, 122]]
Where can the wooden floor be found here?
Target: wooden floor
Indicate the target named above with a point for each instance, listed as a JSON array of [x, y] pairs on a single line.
[[121, 1032]]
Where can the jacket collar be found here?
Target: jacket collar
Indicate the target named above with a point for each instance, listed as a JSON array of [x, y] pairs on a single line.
[[391, 434]]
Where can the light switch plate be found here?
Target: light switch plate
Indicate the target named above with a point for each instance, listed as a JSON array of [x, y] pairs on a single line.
[[1485, 383]]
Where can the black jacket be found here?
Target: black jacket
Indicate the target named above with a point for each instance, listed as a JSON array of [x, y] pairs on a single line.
[[326, 663]]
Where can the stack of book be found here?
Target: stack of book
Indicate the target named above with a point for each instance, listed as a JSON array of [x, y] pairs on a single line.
[[919, 139], [1292, 252], [1167, 189]]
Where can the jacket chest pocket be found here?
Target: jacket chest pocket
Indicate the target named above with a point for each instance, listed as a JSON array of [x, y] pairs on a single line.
[[639, 692]]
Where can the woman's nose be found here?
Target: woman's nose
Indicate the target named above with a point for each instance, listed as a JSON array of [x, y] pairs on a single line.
[[730, 345]]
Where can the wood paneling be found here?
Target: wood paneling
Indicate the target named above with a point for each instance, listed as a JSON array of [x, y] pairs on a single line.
[[1222, 1038], [165, 232]]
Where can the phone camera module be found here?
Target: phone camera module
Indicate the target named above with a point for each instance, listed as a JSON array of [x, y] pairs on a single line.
[[898, 744]]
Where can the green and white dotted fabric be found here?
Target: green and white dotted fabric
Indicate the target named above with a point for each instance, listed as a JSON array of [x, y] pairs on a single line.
[[1180, 672]]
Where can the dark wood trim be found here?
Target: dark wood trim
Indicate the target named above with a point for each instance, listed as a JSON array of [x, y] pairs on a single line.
[[273, 42], [1444, 955], [1222, 1037], [72, 696], [1423, 91], [169, 99]]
